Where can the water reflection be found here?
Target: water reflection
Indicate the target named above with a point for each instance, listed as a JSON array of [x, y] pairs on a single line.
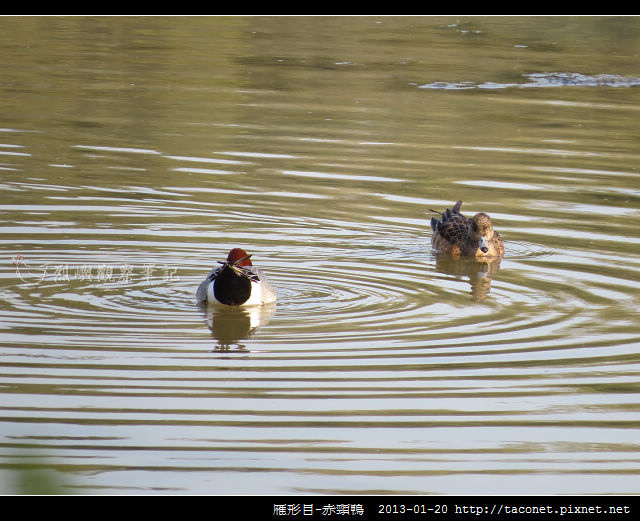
[[480, 272], [230, 325]]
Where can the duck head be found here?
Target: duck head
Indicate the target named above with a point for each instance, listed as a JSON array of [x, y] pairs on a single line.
[[236, 259], [481, 231]]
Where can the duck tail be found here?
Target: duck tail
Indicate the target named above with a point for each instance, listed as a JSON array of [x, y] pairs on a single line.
[[446, 215]]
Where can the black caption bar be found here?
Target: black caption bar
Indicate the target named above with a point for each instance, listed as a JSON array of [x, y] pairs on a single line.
[[360, 508]]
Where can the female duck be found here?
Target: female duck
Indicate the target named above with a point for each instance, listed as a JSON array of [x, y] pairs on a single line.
[[236, 283], [468, 236]]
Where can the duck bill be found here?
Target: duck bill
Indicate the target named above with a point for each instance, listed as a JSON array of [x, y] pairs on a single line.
[[483, 244]]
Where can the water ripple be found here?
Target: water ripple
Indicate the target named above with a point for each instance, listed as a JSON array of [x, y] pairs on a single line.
[[543, 80]]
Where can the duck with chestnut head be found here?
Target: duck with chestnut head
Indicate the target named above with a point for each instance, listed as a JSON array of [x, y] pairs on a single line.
[[236, 282]]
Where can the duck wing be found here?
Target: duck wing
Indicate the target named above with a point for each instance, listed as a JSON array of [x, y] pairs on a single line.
[[453, 226], [455, 229]]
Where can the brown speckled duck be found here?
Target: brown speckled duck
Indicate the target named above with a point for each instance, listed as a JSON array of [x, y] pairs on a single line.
[[468, 236]]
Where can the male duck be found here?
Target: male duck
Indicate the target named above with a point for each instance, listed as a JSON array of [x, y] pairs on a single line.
[[468, 236], [236, 283]]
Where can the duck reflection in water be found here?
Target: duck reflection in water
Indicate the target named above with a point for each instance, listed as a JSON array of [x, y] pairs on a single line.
[[230, 325], [467, 246], [480, 272]]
